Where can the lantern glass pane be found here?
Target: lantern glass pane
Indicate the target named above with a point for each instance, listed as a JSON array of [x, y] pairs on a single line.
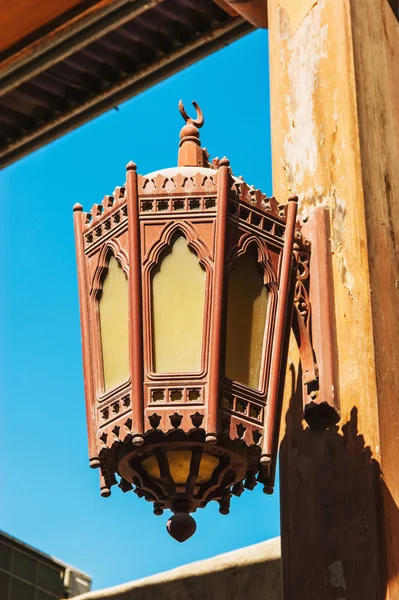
[[246, 320], [178, 301], [151, 466], [114, 321], [207, 466], [179, 466]]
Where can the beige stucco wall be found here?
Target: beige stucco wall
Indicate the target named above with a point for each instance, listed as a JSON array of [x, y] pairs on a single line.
[[252, 572]]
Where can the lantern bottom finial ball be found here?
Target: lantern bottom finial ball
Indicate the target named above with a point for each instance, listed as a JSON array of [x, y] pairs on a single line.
[[181, 527]]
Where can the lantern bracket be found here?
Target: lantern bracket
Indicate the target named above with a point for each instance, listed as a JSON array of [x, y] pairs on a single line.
[[314, 322], [310, 370], [302, 313]]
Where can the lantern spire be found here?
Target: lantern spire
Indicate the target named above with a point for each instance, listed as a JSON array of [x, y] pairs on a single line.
[[190, 152]]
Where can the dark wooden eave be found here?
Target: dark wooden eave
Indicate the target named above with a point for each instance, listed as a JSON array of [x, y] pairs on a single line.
[[94, 56]]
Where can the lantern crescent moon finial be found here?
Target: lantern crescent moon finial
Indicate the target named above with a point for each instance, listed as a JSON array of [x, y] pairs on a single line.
[[199, 121]]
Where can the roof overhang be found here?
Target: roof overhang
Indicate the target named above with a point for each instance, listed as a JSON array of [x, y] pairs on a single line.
[[69, 61]]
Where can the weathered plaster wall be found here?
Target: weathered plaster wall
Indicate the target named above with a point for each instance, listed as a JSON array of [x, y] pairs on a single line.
[[252, 572], [335, 130]]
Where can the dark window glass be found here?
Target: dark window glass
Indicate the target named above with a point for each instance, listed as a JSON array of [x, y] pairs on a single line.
[[78, 585], [21, 590], [24, 566], [4, 585], [44, 596], [5, 557], [49, 579]]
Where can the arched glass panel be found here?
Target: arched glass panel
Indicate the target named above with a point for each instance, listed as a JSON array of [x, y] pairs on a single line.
[[178, 301], [114, 325], [246, 320]]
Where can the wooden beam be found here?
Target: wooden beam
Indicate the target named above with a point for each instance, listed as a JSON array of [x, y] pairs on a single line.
[[122, 90], [19, 19], [254, 11], [63, 40], [334, 69]]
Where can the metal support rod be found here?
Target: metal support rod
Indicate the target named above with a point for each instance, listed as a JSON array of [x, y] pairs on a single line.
[[135, 305], [281, 324], [217, 300]]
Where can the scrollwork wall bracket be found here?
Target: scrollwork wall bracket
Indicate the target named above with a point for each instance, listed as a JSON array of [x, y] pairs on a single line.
[[314, 322]]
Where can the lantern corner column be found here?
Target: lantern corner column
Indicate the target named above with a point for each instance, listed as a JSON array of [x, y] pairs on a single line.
[[224, 178], [78, 221], [135, 305]]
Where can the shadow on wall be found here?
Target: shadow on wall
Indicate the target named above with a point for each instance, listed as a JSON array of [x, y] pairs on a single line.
[[333, 499]]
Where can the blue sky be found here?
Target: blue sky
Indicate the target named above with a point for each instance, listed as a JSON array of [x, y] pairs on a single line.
[[50, 498]]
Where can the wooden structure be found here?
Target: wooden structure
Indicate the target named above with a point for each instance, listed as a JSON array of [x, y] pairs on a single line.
[[334, 73], [65, 62]]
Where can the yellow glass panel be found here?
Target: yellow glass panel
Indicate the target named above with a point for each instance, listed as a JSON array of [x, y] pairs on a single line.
[[179, 466], [151, 466], [246, 319], [207, 467], [114, 321], [178, 300]]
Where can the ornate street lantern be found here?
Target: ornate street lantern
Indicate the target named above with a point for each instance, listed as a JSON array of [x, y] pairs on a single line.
[[187, 282]]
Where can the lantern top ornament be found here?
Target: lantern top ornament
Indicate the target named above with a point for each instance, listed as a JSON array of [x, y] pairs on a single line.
[[190, 152], [187, 282]]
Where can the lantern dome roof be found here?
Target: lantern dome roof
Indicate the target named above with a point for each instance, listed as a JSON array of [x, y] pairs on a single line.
[[187, 171]]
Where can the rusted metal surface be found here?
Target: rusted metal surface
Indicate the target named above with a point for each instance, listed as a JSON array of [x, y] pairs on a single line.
[[282, 323], [321, 399], [78, 218], [190, 152], [107, 57], [206, 413], [218, 299]]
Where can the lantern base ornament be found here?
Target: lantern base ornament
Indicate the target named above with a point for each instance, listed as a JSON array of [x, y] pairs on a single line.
[[188, 282], [181, 472], [181, 526]]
